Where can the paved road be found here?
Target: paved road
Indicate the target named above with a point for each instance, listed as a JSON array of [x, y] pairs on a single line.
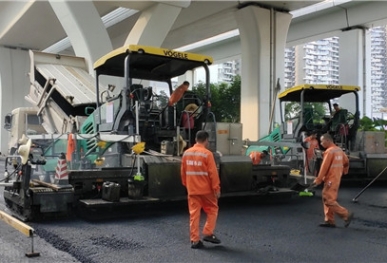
[[250, 230], [282, 232], [14, 245]]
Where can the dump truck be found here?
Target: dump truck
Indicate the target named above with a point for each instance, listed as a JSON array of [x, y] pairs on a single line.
[[23, 120], [309, 107], [118, 142]]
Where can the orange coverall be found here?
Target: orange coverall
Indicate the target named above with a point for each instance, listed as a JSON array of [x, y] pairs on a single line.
[[335, 163], [313, 144], [177, 94], [256, 157], [200, 176]]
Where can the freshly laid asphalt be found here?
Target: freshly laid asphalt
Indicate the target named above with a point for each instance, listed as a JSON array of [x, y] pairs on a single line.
[[14, 245], [250, 232], [250, 229]]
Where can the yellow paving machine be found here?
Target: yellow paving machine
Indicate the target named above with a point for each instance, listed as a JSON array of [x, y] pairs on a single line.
[[116, 139]]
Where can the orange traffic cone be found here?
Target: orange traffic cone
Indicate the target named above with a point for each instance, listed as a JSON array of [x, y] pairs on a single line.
[[61, 173]]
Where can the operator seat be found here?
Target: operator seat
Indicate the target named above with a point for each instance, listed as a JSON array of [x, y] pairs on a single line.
[[340, 128], [339, 122]]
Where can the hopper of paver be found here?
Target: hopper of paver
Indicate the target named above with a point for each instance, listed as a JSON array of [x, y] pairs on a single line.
[[61, 90]]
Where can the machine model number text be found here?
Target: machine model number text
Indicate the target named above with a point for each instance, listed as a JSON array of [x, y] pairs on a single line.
[[175, 54]]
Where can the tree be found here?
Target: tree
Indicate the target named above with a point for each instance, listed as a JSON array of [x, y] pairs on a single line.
[[233, 96], [225, 99], [162, 98], [293, 109]]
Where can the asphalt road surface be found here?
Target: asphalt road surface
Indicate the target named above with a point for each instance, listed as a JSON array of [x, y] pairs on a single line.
[[251, 230]]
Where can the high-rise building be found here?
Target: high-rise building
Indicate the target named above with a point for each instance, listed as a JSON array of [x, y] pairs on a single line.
[[290, 67], [318, 62], [227, 70], [314, 62], [378, 70], [223, 72]]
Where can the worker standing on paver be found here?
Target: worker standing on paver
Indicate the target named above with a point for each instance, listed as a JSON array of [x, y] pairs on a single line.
[[200, 176], [178, 93], [335, 163], [310, 152]]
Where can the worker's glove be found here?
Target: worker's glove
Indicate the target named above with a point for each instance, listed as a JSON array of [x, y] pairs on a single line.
[[313, 185]]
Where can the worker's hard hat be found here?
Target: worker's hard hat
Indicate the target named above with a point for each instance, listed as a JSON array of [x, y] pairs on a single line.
[[23, 139], [24, 151]]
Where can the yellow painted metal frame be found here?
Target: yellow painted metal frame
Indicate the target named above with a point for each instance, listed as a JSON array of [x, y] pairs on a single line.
[[153, 51], [18, 225], [317, 92], [321, 87]]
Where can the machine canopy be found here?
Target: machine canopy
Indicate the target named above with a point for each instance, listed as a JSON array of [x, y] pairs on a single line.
[[316, 92], [149, 63]]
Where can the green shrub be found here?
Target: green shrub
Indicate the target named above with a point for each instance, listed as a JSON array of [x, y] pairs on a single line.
[[375, 124]]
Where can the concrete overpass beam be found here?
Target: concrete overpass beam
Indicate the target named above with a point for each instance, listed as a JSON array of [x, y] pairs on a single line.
[[263, 38], [330, 22], [154, 24], [84, 27], [10, 13]]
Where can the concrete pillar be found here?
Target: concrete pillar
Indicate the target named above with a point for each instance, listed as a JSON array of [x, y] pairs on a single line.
[[154, 23], [262, 64], [354, 66], [84, 27], [14, 85]]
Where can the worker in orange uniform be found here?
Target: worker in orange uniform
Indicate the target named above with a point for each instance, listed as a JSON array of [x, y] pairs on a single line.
[[178, 93], [257, 157], [310, 154], [335, 163], [200, 176]]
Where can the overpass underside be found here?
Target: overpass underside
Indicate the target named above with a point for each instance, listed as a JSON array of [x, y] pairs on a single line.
[[265, 28]]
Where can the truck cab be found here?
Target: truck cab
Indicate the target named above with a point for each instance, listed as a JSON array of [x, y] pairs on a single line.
[[23, 120]]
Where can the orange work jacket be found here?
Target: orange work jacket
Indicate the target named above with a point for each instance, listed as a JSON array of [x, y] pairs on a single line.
[[177, 94], [313, 144], [198, 171], [335, 163]]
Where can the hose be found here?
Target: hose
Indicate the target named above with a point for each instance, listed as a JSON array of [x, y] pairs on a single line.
[[13, 173], [365, 188]]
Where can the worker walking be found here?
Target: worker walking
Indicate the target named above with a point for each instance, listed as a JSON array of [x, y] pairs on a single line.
[[335, 163], [200, 176]]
